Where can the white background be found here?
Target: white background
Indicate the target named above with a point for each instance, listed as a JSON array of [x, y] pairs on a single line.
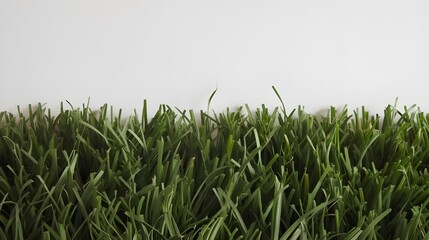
[[317, 53]]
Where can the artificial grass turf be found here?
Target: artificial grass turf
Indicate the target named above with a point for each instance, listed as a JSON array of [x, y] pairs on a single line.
[[242, 174]]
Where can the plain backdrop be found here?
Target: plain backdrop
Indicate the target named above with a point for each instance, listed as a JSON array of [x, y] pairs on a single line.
[[177, 52]]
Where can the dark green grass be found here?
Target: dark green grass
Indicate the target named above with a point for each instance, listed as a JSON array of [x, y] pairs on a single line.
[[242, 174]]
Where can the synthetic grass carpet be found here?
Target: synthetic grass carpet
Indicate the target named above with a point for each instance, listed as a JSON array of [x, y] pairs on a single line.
[[242, 174]]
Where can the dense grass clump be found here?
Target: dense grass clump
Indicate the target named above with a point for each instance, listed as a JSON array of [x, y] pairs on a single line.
[[242, 174]]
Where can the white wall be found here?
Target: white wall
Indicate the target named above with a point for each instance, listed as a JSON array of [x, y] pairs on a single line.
[[317, 53]]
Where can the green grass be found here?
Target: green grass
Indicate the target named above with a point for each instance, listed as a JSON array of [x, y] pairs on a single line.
[[242, 174]]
